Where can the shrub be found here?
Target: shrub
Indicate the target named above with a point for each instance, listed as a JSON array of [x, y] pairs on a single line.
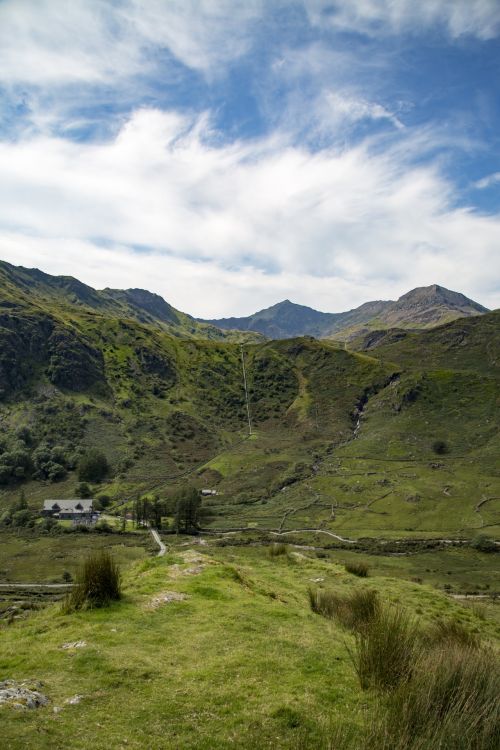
[[359, 569], [103, 527], [98, 583], [440, 447], [93, 466], [484, 543], [385, 650], [83, 490], [353, 611]]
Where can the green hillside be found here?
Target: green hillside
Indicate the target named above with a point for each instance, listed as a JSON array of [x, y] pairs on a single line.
[[398, 441]]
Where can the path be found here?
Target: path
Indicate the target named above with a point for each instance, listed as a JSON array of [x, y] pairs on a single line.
[[158, 541]]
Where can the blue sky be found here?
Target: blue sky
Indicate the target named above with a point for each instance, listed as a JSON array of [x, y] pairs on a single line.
[[230, 154]]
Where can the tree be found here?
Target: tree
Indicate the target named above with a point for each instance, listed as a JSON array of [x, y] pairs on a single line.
[[93, 466], [187, 510]]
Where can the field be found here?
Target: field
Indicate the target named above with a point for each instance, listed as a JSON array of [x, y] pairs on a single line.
[[240, 662], [32, 558]]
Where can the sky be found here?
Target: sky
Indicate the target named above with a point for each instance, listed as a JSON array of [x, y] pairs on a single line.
[[229, 154]]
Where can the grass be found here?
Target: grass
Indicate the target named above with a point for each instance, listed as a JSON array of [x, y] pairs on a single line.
[[385, 650], [451, 701], [241, 662], [277, 549], [359, 569], [98, 583], [354, 611], [30, 558]]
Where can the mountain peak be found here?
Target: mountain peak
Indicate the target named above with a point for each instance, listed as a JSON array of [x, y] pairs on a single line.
[[435, 294]]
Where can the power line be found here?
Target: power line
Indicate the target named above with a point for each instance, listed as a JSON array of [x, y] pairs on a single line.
[[246, 389]]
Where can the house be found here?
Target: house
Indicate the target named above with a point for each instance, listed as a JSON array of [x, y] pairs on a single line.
[[77, 510], [208, 492]]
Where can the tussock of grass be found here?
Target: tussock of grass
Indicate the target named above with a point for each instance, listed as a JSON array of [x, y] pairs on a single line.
[[98, 583], [386, 649], [277, 549], [451, 632], [451, 701], [359, 569], [353, 611]]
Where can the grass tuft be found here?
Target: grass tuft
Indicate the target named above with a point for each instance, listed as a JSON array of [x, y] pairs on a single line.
[[98, 583], [386, 649], [359, 569], [277, 549], [451, 701], [354, 611]]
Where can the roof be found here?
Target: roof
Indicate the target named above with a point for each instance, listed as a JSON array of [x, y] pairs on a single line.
[[76, 505]]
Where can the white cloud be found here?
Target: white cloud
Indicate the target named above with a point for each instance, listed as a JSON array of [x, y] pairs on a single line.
[[480, 18], [230, 228], [488, 181], [337, 108], [97, 41]]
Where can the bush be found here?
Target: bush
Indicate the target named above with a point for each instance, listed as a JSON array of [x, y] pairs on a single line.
[[484, 543], [353, 611], [98, 583], [93, 466], [440, 447], [359, 569], [83, 490]]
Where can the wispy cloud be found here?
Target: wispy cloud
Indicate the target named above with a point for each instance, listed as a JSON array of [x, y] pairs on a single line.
[[488, 181], [480, 18], [274, 215], [56, 42]]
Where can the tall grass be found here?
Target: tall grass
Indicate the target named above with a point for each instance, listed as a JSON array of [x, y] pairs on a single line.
[[452, 632], [277, 549], [451, 701], [385, 650], [359, 569], [353, 611], [438, 689], [98, 583]]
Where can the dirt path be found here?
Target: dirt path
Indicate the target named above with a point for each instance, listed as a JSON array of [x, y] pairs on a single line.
[[158, 541]]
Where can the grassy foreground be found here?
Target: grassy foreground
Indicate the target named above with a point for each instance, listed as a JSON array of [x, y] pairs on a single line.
[[240, 662]]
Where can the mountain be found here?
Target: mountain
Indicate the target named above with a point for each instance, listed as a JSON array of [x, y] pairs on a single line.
[[61, 296], [423, 307], [399, 440]]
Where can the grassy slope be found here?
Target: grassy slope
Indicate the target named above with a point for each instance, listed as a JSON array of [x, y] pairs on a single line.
[[241, 663]]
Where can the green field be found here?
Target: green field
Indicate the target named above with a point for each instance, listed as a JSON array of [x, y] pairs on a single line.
[[31, 558]]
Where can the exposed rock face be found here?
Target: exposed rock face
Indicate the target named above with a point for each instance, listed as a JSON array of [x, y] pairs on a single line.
[[22, 695], [73, 363]]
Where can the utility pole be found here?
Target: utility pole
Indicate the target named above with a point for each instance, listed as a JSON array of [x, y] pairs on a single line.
[[246, 389]]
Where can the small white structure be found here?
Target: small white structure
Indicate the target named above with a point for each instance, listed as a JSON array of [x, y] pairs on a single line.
[[208, 492]]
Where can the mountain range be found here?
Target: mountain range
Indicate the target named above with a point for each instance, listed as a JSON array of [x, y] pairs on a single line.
[[164, 397], [421, 308]]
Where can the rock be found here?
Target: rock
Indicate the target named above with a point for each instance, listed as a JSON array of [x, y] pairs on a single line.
[[75, 644], [74, 700], [166, 597], [22, 695]]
